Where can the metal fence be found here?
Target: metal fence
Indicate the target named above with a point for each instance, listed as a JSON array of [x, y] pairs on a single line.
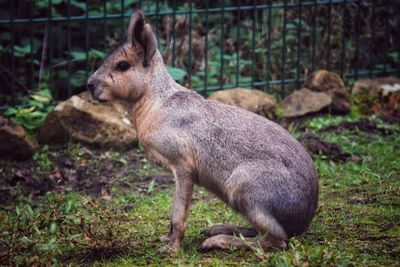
[[207, 45]]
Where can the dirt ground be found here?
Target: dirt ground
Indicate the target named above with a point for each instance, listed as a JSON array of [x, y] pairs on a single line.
[[366, 126], [81, 169]]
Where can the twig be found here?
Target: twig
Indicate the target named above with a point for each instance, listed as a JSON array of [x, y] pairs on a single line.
[[91, 153]]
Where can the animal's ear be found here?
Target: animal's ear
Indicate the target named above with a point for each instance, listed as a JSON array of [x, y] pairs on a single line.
[[140, 33]]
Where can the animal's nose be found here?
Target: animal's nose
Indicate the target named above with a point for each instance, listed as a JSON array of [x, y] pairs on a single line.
[[91, 87]]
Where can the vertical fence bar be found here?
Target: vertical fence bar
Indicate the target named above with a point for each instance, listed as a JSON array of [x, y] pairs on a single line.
[[314, 35], [328, 50], [307, 43], [173, 32], [299, 43], [206, 53], [269, 45], [283, 58], [156, 22], [87, 40], [372, 40], [398, 43], [31, 70], [122, 19], [253, 45], [238, 45], [221, 81], [69, 46], [343, 43], [105, 22], [356, 61], [50, 40], [190, 45], [385, 43], [12, 53]]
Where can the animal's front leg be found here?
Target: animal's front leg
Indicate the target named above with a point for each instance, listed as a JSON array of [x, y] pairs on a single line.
[[183, 195]]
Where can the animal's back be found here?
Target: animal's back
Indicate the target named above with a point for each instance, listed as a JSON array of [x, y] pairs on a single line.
[[228, 140]]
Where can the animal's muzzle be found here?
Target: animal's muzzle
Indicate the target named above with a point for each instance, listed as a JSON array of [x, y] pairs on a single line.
[[91, 87], [93, 90]]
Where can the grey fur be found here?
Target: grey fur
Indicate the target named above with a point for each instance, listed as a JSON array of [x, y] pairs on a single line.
[[248, 161]]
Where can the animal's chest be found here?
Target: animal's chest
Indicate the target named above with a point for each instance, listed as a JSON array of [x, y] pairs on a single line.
[[150, 142], [155, 158]]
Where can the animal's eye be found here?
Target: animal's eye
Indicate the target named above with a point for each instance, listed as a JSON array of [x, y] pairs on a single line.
[[123, 66]]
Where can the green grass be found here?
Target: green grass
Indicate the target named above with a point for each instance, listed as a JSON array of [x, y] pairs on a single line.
[[357, 223]]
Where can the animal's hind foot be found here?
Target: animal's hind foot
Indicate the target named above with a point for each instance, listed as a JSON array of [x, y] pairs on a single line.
[[218, 242], [168, 249], [223, 241], [165, 238], [227, 229], [272, 244]]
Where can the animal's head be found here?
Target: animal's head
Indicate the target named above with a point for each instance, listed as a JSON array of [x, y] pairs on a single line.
[[125, 73]]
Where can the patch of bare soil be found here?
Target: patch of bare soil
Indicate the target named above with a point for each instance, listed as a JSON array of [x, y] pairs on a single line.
[[362, 125], [391, 118], [91, 172], [332, 151]]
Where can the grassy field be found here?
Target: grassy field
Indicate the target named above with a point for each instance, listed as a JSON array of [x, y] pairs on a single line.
[[116, 215]]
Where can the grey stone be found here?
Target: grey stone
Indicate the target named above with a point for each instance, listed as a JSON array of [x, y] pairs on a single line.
[[99, 124], [303, 102], [331, 84], [252, 100], [14, 141]]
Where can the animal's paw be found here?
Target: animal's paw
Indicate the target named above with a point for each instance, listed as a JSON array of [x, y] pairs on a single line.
[[169, 249], [215, 242]]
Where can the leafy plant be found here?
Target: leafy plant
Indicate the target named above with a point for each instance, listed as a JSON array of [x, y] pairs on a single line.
[[177, 73], [32, 115], [42, 159]]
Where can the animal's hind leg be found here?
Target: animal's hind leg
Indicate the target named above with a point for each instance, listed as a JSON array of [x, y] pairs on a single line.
[[271, 235], [267, 241], [228, 229]]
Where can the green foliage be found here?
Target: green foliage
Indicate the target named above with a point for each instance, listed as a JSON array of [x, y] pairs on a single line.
[[233, 71], [32, 115], [78, 78], [319, 123], [278, 112], [395, 56], [42, 159], [363, 102], [44, 233], [140, 149], [93, 54], [176, 73], [22, 51]]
